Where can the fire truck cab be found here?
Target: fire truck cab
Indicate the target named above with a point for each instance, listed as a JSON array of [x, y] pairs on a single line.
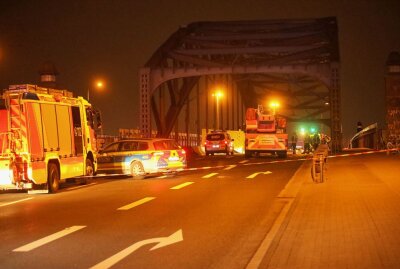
[[265, 133], [46, 137]]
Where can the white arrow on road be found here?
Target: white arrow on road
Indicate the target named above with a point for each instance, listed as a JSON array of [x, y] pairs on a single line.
[[259, 173], [162, 242]]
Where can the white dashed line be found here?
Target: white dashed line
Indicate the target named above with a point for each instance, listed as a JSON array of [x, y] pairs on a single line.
[[82, 186], [180, 186], [137, 203], [209, 175], [230, 167], [244, 161], [48, 239]]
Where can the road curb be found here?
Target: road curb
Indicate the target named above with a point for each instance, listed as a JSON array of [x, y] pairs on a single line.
[[288, 195]]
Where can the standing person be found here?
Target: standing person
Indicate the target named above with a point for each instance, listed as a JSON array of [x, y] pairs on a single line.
[[307, 142], [294, 143], [316, 141]]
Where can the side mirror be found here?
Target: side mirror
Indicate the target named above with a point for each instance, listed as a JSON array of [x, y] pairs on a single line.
[[98, 119]]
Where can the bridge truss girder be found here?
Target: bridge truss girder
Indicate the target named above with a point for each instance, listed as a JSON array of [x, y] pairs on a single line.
[[301, 54]]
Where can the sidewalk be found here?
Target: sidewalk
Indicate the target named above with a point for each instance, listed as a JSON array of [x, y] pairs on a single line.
[[350, 221]]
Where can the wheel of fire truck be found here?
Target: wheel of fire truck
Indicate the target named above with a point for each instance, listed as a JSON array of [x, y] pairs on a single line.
[[207, 153], [53, 178], [89, 171], [137, 170], [247, 154]]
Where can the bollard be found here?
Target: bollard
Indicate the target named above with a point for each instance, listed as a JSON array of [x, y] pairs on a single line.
[[318, 163]]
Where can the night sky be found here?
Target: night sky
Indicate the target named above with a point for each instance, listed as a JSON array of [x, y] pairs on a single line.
[[113, 39]]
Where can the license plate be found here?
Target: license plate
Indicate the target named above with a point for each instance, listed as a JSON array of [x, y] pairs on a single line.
[[267, 141]]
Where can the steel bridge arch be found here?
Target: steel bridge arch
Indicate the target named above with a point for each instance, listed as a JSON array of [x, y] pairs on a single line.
[[245, 48]]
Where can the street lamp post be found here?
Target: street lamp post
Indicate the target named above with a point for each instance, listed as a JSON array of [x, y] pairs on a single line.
[[218, 94], [99, 85]]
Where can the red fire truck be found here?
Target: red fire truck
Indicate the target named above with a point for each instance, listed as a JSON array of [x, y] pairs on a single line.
[[265, 133], [46, 136]]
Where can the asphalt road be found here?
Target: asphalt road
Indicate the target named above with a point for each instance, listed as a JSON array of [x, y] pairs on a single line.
[[214, 215]]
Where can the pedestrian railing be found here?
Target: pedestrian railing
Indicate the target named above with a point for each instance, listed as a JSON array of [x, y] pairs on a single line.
[[318, 168]]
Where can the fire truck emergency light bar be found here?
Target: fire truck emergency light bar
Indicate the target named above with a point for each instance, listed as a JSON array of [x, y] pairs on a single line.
[[36, 89]]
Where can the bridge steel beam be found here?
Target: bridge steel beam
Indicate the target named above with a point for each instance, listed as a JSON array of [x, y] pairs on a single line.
[[302, 54]]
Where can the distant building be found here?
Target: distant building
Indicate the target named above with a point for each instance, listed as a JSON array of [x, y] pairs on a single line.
[[392, 95]]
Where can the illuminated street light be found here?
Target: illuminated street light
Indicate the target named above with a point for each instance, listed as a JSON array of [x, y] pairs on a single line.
[[98, 85], [274, 105], [217, 94]]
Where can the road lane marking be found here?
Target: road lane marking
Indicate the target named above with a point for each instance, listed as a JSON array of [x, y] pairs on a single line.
[[258, 173], [244, 161], [18, 201], [164, 176], [209, 175], [82, 186], [48, 239], [162, 242], [230, 167], [262, 250], [180, 186], [137, 203]]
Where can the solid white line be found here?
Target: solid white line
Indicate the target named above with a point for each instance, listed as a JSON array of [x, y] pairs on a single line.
[[48, 239], [230, 167], [262, 250], [209, 175], [137, 203], [180, 186], [244, 161], [82, 186], [11, 203]]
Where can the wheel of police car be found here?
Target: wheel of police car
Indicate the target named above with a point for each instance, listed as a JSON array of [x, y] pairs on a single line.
[[137, 170], [53, 178]]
